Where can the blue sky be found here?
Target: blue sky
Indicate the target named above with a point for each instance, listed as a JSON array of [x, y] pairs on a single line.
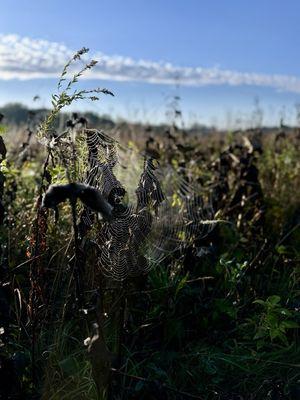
[[260, 38]]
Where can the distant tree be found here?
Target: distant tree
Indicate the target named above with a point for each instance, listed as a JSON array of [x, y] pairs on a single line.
[[15, 113]]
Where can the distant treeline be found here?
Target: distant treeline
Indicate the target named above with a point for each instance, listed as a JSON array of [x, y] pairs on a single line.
[[19, 114]]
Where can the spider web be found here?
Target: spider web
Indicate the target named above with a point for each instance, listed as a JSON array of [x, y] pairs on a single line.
[[158, 211]]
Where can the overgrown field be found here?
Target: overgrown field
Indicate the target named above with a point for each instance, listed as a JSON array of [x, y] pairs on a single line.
[[163, 265]]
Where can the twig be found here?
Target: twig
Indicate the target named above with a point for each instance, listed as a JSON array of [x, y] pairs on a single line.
[[76, 266], [288, 234], [13, 270]]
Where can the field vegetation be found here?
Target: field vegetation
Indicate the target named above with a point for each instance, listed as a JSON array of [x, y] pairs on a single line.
[[141, 262]]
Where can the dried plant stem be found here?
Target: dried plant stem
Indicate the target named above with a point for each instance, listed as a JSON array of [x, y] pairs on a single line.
[[77, 264]]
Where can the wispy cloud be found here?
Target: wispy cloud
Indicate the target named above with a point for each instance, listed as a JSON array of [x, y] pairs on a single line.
[[26, 58]]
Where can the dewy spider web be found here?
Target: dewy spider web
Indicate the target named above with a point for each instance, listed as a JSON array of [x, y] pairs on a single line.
[[164, 211]]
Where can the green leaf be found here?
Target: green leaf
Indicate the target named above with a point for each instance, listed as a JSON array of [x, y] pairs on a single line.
[[281, 250], [69, 366], [290, 324], [261, 333], [284, 312], [181, 284], [273, 300], [139, 386], [274, 333], [260, 344], [263, 303]]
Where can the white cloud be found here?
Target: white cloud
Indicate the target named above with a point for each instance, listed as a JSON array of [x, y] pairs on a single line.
[[25, 58]]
